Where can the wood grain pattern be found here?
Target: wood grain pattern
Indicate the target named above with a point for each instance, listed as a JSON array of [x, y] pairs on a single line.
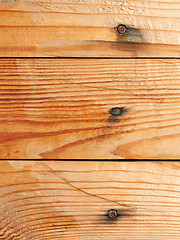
[[69, 200], [58, 108], [69, 28]]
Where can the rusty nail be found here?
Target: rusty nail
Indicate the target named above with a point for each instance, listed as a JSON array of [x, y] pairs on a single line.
[[112, 213], [121, 28]]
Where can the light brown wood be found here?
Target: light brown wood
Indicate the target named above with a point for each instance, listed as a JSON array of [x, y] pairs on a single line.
[[58, 108], [87, 28], [69, 200]]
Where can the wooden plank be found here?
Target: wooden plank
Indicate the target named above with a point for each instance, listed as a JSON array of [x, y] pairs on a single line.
[[70, 28], [70, 200], [59, 108]]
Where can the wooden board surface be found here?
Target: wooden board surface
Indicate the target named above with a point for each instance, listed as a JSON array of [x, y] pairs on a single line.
[[58, 108], [87, 28], [70, 200]]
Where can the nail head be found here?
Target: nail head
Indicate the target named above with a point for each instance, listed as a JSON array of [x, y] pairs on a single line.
[[121, 28], [116, 111], [112, 213]]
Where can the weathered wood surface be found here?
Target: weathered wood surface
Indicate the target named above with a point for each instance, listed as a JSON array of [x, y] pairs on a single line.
[[87, 28], [58, 108], [69, 200]]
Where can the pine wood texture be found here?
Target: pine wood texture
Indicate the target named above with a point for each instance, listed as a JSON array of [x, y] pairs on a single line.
[[70, 28], [58, 108], [69, 200]]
